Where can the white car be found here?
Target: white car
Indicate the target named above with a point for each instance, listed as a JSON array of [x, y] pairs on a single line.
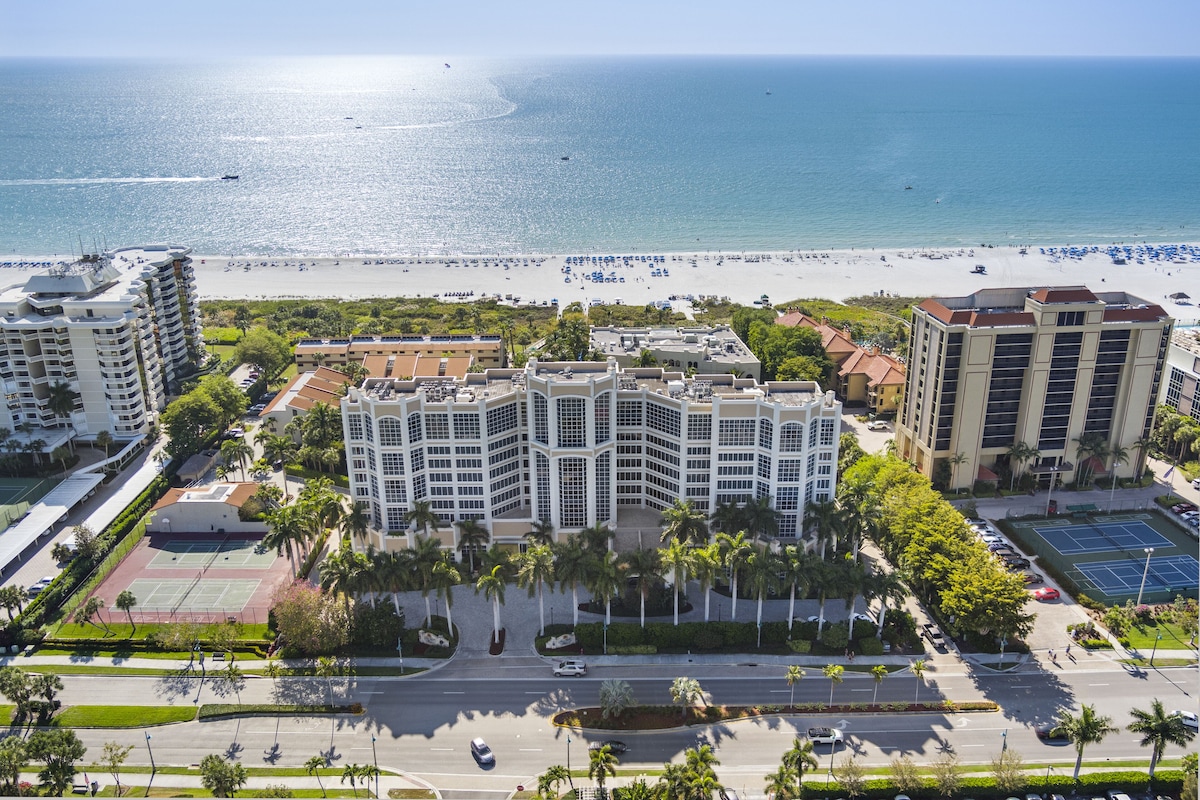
[[1189, 719], [830, 736], [877, 425], [570, 667], [1196, 483]]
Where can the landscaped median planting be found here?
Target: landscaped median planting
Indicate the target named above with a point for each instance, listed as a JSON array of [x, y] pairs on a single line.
[[645, 718], [221, 710]]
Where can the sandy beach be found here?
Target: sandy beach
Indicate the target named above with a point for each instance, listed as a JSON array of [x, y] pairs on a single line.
[[742, 277]]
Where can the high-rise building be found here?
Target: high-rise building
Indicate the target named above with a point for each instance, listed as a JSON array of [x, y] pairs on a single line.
[[1181, 389], [584, 443], [118, 330], [1065, 371]]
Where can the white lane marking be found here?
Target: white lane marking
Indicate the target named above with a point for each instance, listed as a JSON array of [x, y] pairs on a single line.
[[453, 692]]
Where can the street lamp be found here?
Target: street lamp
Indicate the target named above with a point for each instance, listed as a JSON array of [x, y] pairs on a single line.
[[375, 760], [1149, 551], [569, 762], [153, 769], [1157, 639], [1004, 741], [1049, 767]]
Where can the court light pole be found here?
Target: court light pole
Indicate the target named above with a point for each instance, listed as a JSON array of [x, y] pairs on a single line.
[[375, 760], [1157, 639], [1149, 552]]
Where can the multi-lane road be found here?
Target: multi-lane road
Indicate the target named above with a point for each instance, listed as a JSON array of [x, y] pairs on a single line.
[[423, 724]]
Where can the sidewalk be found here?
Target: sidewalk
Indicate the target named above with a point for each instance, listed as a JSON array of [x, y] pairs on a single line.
[[332, 783]]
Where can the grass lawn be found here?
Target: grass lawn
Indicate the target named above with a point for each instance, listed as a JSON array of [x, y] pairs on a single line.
[[1142, 637], [122, 716], [1159, 661], [122, 631]]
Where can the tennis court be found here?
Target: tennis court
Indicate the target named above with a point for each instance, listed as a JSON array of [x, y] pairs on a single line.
[[232, 554], [197, 594], [1123, 578], [18, 494], [1125, 533]]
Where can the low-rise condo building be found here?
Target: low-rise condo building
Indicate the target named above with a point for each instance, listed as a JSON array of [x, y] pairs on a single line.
[[1181, 389], [400, 356], [584, 443], [698, 350]]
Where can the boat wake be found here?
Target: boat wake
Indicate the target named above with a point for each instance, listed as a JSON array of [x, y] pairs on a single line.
[[93, 181]]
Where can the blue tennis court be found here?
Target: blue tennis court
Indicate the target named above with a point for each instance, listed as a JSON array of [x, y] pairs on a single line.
[[1124, 577], [1098, 537]]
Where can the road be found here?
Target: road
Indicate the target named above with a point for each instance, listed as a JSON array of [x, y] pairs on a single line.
[[423, 723]]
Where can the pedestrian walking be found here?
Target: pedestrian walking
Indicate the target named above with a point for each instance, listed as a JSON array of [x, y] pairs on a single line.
[[1068, 651]]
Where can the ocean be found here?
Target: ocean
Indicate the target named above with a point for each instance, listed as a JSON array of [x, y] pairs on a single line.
[[418, 156]]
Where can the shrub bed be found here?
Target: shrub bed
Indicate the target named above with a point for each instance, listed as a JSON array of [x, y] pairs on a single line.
[[219, 710]]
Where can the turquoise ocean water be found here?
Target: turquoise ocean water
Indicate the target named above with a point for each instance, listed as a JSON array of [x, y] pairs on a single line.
[[400, 156]]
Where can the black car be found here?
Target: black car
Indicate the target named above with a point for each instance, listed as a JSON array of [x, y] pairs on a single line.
[[614, 746], [1051, 733], [1016, 562]]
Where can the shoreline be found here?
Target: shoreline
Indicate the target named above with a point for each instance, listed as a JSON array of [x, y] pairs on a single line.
[[742, 277]]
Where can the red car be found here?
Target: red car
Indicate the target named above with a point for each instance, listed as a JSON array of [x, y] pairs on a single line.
[[1182, 508], [1046, 593]]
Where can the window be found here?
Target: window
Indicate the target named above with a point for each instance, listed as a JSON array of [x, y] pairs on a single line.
[[787, 498], [571, 427], [629, 413], [437, 426], [735, 433], [466, 425], [393, 463], [764, 467], [501, 419], [394, 492], [396, 519], [572, 493], [700, 427], [390, 432], [541, 420], [663, 419], [417, 457], [791, 437], [354, 424], [414, 427], [603, 485], [603, 413], [791, 470], [543, 486], [828, 432], [813, 431], [766, 432]]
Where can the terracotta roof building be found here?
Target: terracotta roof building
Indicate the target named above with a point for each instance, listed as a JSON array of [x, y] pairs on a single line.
[[865, 376], [1039, 366], [404, 356], [322, 385]]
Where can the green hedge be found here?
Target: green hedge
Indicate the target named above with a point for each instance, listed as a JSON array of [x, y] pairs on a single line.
[[218, 710], [690, 636], [1093, 784], [634, 650]]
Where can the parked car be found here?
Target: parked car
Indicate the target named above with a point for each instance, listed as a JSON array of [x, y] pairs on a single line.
[[1005, 553], [725, 793], [1196, 483], [482, 753], [1189, 718], [877, 425], [1032, 578], [1188, 516], [1016, 562], [615, 746], [867, 618], [934, 635], [1046, 593], [40, 586], [996, 547], [1113, 794], [990, 538], [830, 736], [1179, 508], [570, 667]]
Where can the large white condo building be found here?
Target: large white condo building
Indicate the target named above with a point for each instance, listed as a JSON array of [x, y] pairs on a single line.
[[118, 329], [576, 444]]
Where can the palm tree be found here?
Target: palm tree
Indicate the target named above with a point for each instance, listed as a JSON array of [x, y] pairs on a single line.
[[918, 670], [797, 567], [61, 455], [126, 601], [1119, 455], [421, 517], [645, 567], [878, 672], [237, 451], [779, 785], [1159, 729], [706, 562], [885, 586], [827, 518], [542, 533], [734, 552], [676, 559], [602, 764], [799, 759], [61, 401], [794, 676], [471, 537], [826, 578], [1142, 444], [956, 460], [352, 772], [684, 523], [536, 566], [444, 578], [89, 612], [572, 565], [1082, 730], [852, 579], [357, 522], [394, 574], [550, 780], [313, 767], [834, 672], [728, 517], [422, 557], [596, 539], [762, 520], [340, 573], [103, 439], [685, 691], [492, 585], [762, 578], [701, 777], [605, 582]]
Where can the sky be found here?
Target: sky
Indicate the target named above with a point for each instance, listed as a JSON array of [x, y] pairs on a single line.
[[238, 28]]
